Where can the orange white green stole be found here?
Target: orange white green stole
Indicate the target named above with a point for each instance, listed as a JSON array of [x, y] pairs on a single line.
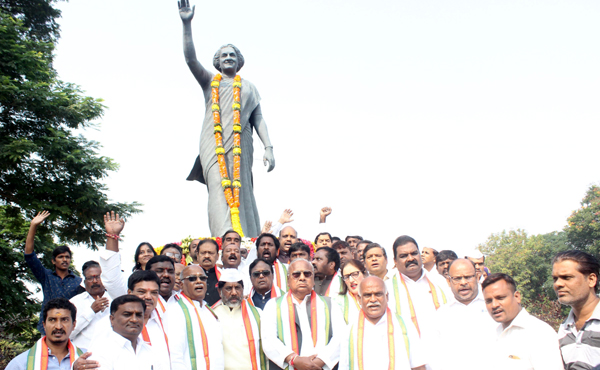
[[185, 303], [275, 292], [355, 344], [251, 318], [146, 336], [280, 275], [37, 359]]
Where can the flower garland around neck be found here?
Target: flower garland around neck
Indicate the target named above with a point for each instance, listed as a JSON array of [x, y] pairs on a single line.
[[231, 189]]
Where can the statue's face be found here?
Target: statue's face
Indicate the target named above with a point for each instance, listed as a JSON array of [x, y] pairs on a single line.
[[228, 59]]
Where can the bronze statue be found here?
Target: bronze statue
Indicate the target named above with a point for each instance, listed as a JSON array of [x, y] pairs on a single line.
[[220, 142]]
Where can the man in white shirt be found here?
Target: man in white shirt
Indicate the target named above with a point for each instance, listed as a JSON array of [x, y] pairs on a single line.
[[288, 339], [523, 341], [92, 305], [376, 261], [237, 316], [428, 256], [376, 331], [462, 323], [123, 349], [412, 294], [194, 333]]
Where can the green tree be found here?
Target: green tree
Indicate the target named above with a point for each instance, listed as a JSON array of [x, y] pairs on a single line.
[[583, 226], [43, 163], [528, 260]]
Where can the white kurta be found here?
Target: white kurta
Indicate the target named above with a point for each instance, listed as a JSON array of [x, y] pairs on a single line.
[[158, 340], [87, 319], [350, 307], [117, 353], [277, 351], [178, 340]]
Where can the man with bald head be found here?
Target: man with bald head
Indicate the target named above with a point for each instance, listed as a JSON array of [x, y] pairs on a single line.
[[286, 325], [382, 329], [287, 237], [463, 323], [192, 323]]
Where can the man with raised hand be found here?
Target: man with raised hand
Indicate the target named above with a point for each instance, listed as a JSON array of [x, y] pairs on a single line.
[[302, 329], [237, 316], [575, 274], [55, 350], [462, 323], [92, 305], [194, 333], [522, 341], [412, 294], [58, 283], [380, 339], [327, 278], [263, 288], [123, 349]]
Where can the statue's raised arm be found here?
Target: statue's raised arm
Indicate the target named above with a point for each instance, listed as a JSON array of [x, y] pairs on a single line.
[[200, 73]]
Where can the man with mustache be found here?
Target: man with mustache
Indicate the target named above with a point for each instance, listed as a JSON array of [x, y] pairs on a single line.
[[575, 274], [327, 278], [123, 349], [463, 323], [380, 339], [164, 267], [58, 318], [267, 246], [237, 316], [193, 330], [57, 283], [287, 237], [208, 253], [412, 294], [92, 305], [522, 340], [287, 329], [352, 241], [344, 251]]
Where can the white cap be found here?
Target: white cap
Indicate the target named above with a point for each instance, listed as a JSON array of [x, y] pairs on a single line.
[[231, 276], [475, 253]]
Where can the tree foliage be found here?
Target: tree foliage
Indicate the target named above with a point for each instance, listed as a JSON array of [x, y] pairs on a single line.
[[44, 164], [583, 226]]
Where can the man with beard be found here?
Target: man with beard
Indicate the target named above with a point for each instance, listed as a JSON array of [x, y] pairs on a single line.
[[123, 349], [327, 278], [57, 283], [92, 305], [193, 330], [463, 322], [412, 294], [164, 267], [263, 289], [208, 253], [376, 322], [58, 318], [522, 340], [287, 330], [237, 316], [287, 237], [267, 247]]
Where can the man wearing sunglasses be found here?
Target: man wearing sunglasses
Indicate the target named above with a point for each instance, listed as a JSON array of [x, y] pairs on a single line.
[[263, 289], [309, 326], [193, 330], [463, 323]]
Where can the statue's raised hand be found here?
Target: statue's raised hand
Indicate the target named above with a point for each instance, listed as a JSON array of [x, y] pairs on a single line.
[[185, 12]]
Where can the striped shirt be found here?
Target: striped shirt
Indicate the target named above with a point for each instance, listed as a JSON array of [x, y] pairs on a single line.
[[580, 349]]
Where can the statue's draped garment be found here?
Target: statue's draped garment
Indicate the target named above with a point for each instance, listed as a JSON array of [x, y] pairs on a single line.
[[206, 168]]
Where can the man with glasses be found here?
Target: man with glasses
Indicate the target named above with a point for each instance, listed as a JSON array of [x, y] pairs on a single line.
[[463, 323], [263, 289], [173, 251], [302, 329], [193, 330], [92, 305]]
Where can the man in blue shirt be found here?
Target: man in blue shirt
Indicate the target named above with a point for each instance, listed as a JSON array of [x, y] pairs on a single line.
[[60, 283]]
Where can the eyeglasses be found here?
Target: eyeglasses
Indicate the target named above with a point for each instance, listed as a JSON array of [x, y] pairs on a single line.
[[353, 275], [92, 278], [264, 273], [459, 279], [192, 279], [176, 255], [307, 274]]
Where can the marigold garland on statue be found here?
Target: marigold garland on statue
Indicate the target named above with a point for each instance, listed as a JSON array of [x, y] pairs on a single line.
[[230, 189]]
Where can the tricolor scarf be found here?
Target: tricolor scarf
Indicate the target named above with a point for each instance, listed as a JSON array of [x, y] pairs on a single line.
[[192, 321], [146, 336], [334, 286], [275, 293], [349, 303], [398, 353], [37, 359], [280, 275], [318, 309]]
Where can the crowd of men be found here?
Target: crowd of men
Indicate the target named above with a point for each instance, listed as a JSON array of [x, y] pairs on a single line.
[[285, 305]]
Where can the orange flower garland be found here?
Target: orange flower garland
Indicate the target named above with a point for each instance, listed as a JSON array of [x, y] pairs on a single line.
[[231, 189]]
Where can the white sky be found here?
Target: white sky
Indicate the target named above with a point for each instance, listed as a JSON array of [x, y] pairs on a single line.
[[443, 120]]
